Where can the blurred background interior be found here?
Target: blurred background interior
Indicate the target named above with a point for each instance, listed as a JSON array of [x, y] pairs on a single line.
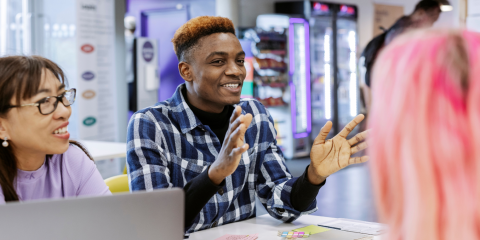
[[301, 63]]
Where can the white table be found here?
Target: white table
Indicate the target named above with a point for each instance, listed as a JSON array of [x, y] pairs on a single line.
[[105, 150], [265, 225]]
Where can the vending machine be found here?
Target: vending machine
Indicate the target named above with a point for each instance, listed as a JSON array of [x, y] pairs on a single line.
[[333, 57], [280, 45]]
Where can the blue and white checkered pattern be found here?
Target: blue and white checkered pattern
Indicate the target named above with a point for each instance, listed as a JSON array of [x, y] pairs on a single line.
[[168, 146]]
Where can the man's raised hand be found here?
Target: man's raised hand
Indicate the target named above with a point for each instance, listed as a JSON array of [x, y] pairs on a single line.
[[233, 147], [329, 156]]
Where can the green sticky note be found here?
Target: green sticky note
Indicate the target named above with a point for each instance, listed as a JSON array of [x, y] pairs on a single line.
[[312, 229]]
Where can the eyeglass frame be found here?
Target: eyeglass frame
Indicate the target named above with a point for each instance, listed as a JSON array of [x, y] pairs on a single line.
[[59, 98]]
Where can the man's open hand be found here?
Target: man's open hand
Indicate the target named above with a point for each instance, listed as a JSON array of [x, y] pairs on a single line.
[[233, 147], [328, 157]]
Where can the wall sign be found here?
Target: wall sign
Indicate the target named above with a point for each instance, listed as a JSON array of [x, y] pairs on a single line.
[[95, 53], [88, 75], [89, 94], [89, 121], [148, 51], [87, 48]]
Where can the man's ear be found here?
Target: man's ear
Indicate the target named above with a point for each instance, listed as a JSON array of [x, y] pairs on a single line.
[[185, 71]]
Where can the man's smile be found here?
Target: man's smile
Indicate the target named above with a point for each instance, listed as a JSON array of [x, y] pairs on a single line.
[[233, 87]]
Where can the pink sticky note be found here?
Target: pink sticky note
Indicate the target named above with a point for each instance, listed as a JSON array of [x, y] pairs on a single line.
[[238, 237]]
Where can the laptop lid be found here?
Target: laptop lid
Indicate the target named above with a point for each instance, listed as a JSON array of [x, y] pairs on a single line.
[[140, 215]]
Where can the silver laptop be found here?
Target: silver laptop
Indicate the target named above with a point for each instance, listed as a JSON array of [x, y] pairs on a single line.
[[140, 215]]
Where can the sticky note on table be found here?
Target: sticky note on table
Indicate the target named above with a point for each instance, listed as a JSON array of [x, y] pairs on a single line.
[[312, 229], [238, 237]]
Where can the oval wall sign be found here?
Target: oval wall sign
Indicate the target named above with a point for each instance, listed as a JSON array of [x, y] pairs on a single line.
[[88, 94], [88, 75], [87, 48], [89, 121], [147, 51]]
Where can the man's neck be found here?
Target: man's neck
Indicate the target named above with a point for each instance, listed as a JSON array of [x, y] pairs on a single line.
[[202, 104]]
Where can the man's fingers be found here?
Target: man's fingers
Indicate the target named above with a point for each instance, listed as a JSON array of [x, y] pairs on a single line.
[[247, 119], [240, 150], [358, 138], [233, 126], [356, 160], [236, 113], [358, 148], [351, 125], [232, 139], [320, 139]]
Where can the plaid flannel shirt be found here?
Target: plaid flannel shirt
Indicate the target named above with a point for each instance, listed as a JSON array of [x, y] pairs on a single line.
[[168, 146]]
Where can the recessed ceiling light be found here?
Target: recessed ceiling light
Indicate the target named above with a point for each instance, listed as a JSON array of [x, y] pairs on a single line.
[[446, 8]]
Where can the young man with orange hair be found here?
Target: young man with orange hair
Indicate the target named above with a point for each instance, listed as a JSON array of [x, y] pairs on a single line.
[[219, 148]]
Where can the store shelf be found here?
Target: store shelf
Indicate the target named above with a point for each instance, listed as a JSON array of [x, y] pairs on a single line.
[[268, 72], [273, 85], [276, 52], [273, 102]]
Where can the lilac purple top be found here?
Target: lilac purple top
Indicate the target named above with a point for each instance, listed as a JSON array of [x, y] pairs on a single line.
[[70, 174]]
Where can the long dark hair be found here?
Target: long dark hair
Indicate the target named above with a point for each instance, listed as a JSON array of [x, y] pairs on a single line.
[[20, 77]]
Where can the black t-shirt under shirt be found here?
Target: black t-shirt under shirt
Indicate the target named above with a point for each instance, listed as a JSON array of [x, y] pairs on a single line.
[[218, 122], [200, 189]]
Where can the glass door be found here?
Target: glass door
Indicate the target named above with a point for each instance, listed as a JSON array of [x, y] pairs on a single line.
[[347, 82], [299, 45], [321, 73]]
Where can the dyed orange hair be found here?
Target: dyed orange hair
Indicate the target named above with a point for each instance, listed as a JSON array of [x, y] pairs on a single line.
[[187, 36], [425, 138]]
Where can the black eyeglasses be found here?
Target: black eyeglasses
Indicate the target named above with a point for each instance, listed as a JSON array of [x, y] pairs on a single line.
[[49, 104]]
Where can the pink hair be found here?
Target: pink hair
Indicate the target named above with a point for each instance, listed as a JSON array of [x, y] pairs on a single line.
[[425, 137]]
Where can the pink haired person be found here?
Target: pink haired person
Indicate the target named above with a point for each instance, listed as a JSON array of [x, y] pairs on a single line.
[[425, 137]]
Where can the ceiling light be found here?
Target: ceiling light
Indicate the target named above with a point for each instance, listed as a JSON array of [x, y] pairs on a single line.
[[445, 5], [446, 8]]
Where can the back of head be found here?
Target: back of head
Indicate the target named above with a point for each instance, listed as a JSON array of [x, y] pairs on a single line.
[[129, 23], [425, 135], [187, 36], [427, 5]]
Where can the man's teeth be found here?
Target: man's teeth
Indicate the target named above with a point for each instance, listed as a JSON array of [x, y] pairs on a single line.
[[61, 130], [231, 85]]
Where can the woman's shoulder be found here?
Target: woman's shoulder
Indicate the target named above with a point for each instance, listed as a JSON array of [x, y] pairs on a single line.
[[75, 150], [79, 173], [75, 160]]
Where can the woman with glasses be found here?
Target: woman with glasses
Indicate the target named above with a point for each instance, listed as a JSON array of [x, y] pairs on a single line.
[[37, 160]]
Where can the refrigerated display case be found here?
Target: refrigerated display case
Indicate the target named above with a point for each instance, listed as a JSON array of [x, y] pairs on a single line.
[[333, 56], [299, 71], [321, 72], [282, 78], [347, 81]]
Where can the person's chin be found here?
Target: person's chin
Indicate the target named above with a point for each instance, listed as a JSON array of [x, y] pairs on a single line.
[[59, 148], [233, 100]]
